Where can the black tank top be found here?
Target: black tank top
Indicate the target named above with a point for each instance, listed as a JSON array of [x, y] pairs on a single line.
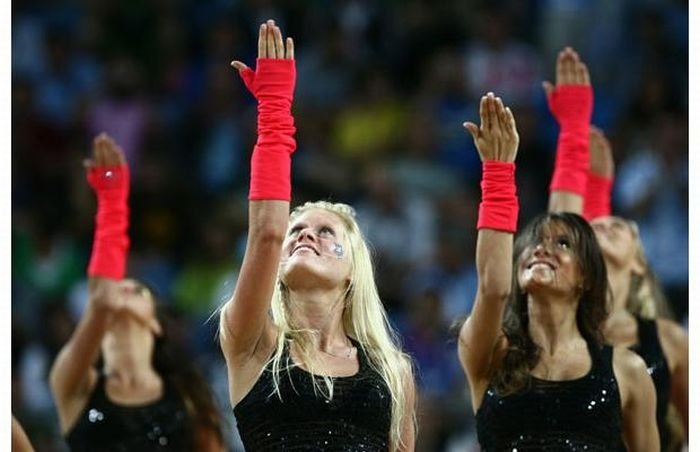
[[357, 418], [105, 426], [649, 348], [580, 414]]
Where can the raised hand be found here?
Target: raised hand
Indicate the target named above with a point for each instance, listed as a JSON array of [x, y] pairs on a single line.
[[570, 70], [602, 163], [105, 152], [108, 175], [270, 45], [497, 137], [275, 75]]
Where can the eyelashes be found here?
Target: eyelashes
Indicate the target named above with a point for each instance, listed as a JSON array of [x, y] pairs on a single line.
[[322, 231]]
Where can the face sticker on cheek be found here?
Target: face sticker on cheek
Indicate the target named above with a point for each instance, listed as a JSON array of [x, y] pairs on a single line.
[[338, 250]]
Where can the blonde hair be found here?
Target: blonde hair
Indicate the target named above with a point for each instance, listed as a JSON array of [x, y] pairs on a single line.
[[364, 319], [646, 297]]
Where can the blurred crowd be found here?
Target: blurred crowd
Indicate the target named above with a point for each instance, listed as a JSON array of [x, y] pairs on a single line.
[[382, 91]]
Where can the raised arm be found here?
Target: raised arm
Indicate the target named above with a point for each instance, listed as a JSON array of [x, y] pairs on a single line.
[[638, 398], [244, 318], [497, 142], [597, 202], [571, 103], [72, 374]]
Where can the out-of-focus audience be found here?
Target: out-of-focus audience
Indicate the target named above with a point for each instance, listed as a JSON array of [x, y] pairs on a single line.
[[379, 107]]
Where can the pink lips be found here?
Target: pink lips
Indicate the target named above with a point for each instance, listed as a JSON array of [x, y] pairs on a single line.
[[543, 262], [304, 246]]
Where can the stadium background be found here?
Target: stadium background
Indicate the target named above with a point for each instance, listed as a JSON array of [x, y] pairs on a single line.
[[382, 91]]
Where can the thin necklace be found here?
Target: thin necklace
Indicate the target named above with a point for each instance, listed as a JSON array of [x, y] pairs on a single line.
[[347, 355]]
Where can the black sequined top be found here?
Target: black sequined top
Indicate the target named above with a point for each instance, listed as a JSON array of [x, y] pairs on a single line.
[[357, 418], [572, 415], [649, 348], [105, 426]]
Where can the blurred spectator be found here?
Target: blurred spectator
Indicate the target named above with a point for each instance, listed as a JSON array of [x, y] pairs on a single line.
[[379, 105]]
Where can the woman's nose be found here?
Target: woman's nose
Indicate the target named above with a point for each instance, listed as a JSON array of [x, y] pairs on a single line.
[[308, 234], [541, 249]]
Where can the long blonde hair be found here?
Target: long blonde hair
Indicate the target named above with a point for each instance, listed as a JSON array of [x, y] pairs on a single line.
[[364, 319], [646, 297]]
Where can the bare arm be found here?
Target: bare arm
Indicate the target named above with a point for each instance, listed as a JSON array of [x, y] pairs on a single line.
[[72, 373], [20, 440], [244, 318], [638, 402], [674, 341], [496, 139], [570, 70]]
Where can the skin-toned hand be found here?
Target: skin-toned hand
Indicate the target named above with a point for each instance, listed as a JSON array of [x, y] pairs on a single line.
[[601, 158], [570, 71], [270, 45], [497, 137], [105, 152]]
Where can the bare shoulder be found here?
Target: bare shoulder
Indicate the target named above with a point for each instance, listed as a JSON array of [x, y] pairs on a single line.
[[674, 342], [631, 374], [672, 333], [628, 363]]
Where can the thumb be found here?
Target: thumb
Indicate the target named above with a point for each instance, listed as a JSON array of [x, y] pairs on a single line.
[[247, 74], [472, 128], [548, 88], [238, 65]]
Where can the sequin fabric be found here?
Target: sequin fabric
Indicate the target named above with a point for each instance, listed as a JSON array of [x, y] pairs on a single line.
[[649, 348], [107, 427], [583, 414], [357, 418]]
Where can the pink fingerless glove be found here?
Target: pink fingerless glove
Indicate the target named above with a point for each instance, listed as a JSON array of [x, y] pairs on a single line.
[[499, 203], [572, 106], [596, 203], [111, 242], [272, 84]]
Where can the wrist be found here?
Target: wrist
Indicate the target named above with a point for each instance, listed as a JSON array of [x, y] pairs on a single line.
[[499, 206], [572, 106]]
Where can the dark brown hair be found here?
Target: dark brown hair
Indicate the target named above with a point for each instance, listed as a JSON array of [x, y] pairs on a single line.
[[176, 369], [523, 354]]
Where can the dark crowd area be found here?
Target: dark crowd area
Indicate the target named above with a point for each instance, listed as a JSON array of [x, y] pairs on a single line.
[[382, 91]]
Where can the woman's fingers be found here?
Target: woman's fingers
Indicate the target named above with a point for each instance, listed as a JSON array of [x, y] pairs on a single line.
[[270, 39], [99, 150], [560, 72], [105, 152], [262, 41], [583, 75], [240, 66], [491, 108], [498, 114], [484, 113], [271, 44], [290, 49], [510, 121], [279, 43], [472, 128]]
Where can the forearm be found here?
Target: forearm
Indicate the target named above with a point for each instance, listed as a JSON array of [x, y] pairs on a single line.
[[572, 106]]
